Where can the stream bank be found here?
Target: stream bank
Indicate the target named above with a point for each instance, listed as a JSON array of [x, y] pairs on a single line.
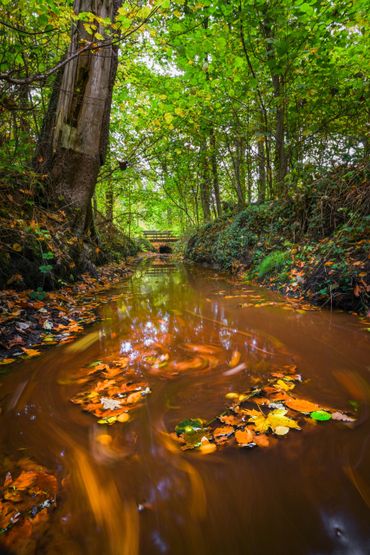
[[312, 245]]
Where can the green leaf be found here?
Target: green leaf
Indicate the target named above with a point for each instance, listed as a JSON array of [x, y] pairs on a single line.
[[45, 268], [189, 426], [320, 415]]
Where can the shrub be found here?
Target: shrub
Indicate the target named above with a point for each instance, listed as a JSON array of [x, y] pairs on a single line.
[[274, 261]]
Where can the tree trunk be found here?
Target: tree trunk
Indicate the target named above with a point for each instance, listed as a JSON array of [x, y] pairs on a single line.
[[75, 149], [280, 150], [109, 202], [216, 184], [278, 87], [204, 185], [261, 170]]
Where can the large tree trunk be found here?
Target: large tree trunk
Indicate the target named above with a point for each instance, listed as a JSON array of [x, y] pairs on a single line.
[[79, 125]]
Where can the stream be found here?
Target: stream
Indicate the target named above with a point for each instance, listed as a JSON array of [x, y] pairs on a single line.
[[138, 492]]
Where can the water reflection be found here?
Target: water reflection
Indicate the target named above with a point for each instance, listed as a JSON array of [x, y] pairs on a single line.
[[126, 489]]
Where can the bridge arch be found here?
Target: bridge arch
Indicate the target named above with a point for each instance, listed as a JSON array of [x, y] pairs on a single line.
[[162, 241]]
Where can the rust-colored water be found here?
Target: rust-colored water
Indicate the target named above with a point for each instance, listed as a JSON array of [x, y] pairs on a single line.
[[309, 494]]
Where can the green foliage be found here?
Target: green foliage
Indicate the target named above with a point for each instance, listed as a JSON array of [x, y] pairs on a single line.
[[327, 264], [45, 268], [274, 261], [38, 295]]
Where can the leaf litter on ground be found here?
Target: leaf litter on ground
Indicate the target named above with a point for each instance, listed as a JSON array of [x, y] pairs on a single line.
[[27, 322]]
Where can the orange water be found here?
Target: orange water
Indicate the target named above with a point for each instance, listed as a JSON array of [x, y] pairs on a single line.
[[308, 494]]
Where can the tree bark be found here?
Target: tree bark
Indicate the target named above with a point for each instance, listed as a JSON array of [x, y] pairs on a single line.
[[261, 170], [215, 180], [278, 87], [75, 133], [205, 188]]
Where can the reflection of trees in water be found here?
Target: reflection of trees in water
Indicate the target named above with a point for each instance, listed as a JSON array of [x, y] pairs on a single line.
[[163, 315]]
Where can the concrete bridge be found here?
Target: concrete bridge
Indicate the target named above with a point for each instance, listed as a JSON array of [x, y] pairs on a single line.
[[161, 240]]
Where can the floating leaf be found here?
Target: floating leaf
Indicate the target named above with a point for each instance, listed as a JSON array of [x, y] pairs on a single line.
[[206, 447], [276, 418], [281, 430], [300, 405], [341, 417], [189, 425], [320, 415], [244, 437], [261, 440], [109, 420], [31, 352], [281, 384], [222, 433], [232, 395], [230, 420], [110, 404]]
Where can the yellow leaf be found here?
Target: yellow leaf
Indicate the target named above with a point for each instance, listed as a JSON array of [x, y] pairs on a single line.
[[232, 395], [207, 447], [17, 247], [276, 419], [31, 352], [109, 420], [280, 384]]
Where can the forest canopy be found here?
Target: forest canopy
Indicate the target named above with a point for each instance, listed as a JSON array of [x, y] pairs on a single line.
[[215, 104]]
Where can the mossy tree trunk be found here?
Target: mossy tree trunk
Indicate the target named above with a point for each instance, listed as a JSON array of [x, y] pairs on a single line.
[[74, 139]]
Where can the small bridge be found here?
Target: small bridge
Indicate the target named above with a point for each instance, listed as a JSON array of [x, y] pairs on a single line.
[[161, 240]]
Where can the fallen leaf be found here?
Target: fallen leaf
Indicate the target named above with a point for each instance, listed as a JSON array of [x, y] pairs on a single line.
[[341, 417], [206, 447], [301, 405], [261, 440], [276, 418], [31, 352], [189, 425], [281, 430], [110, 404], [320, 415], [245, 436]]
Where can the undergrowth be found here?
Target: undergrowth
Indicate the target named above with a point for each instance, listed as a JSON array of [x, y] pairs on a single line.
[[313, 244], [38, 249]]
